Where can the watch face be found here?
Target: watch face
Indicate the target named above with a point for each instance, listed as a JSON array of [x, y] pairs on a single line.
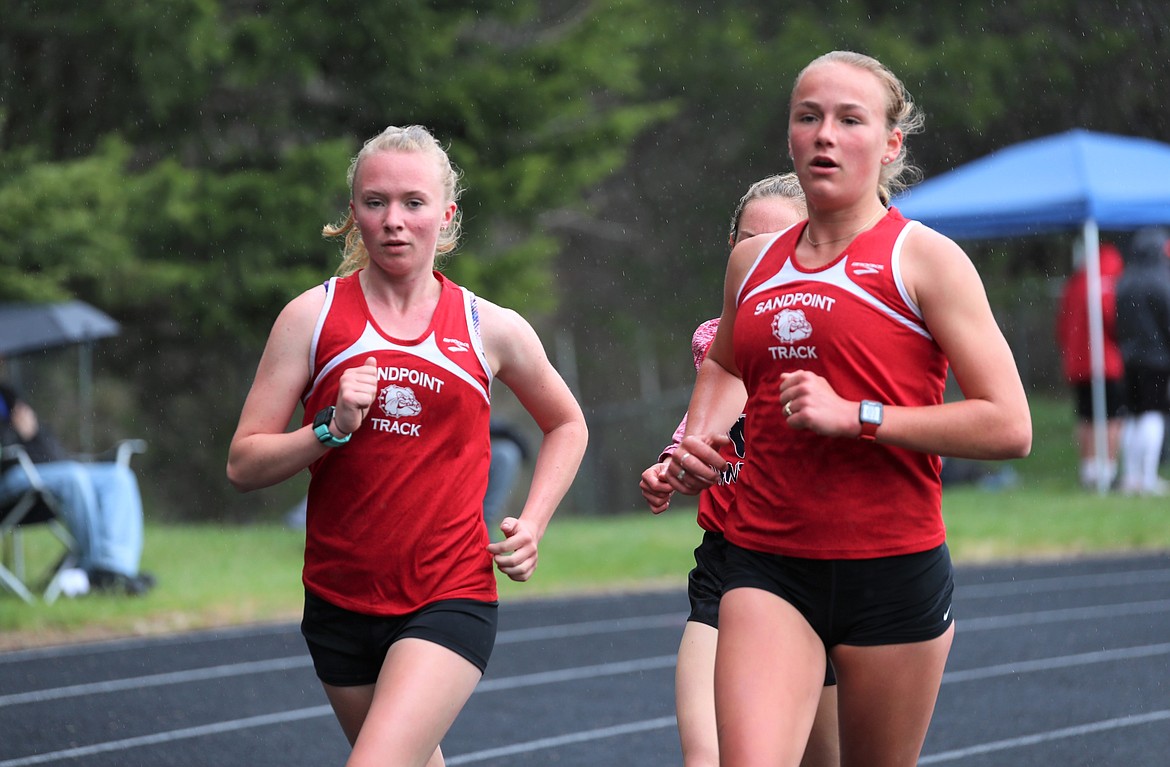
[[323, 417], [871, 412]]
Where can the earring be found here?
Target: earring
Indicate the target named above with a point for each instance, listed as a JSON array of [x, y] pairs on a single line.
[[886, 160]]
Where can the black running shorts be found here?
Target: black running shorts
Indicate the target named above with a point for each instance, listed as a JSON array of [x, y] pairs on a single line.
[[864, 602], [705, 587], [348, 648]]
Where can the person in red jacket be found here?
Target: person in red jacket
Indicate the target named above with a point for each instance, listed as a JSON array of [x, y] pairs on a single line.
[[1072, 334]]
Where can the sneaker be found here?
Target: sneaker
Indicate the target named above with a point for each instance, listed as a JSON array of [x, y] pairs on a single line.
[[109, 582], [74, 582], [1159, 488]]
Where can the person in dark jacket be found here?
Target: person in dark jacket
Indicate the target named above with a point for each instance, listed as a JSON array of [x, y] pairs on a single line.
[[100, 501], [1143, 332]]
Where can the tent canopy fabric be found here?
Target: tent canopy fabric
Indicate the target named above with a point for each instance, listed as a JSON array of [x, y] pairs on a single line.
[[1050, 184], [1077, 180]]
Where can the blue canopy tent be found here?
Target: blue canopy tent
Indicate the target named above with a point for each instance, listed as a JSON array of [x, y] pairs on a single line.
[[1077, 180]]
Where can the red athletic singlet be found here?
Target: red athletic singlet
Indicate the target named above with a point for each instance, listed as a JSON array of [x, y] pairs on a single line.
[[851, 322], [395, 517]]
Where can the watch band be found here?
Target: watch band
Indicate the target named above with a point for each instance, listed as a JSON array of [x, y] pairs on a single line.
[[869, 413], [321, 429]]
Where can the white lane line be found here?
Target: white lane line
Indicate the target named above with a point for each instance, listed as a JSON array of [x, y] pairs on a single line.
[[1048, 664], [568, 739], [596, 627], [587, 628], [580, 672], [156, 680], [231, 633], [491, 685], [1044, 737], [170, 737], [1095, 612], [610, 669], [544, 634], [300, 661], [1062, 583], [200, 636]]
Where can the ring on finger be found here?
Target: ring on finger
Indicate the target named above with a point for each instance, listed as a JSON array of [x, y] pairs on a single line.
[[681, 473], [788, 408]]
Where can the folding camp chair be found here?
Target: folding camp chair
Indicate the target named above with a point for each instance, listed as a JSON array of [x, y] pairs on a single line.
[[39, 506], [35, 506]]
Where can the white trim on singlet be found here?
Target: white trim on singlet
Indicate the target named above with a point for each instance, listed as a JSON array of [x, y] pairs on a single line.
[[427, 349], [756, 263], [471, 312], [896, 265], [330, 291], [837, 276]]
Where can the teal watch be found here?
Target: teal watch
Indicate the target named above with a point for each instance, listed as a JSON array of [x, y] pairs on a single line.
[[321, 428]]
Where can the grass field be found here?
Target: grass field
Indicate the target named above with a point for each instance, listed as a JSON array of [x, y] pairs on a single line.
[[214, 576]]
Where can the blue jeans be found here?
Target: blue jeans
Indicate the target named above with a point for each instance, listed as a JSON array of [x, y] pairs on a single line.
[[101, 506], [505, 466]]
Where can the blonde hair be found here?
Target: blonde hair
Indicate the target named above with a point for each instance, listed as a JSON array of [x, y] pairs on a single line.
[[784, 185], [901, 114], [412, 138]]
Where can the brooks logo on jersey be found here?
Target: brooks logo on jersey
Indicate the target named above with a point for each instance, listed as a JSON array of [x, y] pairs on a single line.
[[861, 268]]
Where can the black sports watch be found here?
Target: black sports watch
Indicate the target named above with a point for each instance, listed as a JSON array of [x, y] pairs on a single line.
[[321, 428], [870, 415]]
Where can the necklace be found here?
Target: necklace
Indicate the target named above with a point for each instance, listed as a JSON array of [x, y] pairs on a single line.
[[838, 239]]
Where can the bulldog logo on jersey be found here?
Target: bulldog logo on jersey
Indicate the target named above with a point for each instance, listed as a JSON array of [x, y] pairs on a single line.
[[398, 401], [790, 326]]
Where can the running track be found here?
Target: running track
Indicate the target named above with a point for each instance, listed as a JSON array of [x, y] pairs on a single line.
[[1054, 664]]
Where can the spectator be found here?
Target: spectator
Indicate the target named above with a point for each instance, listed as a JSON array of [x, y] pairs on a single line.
[[1143, 331], [509, 452], [1072, 335], [100, 501]]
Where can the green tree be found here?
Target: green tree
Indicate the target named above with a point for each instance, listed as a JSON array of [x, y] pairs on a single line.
[[188, 152], [986, 74]]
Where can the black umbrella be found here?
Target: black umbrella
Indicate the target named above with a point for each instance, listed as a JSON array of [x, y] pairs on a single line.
[[28, 328], [33, 327]]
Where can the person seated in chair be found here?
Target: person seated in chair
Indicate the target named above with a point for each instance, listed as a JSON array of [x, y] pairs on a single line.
[[509, 452], [100, 501]]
